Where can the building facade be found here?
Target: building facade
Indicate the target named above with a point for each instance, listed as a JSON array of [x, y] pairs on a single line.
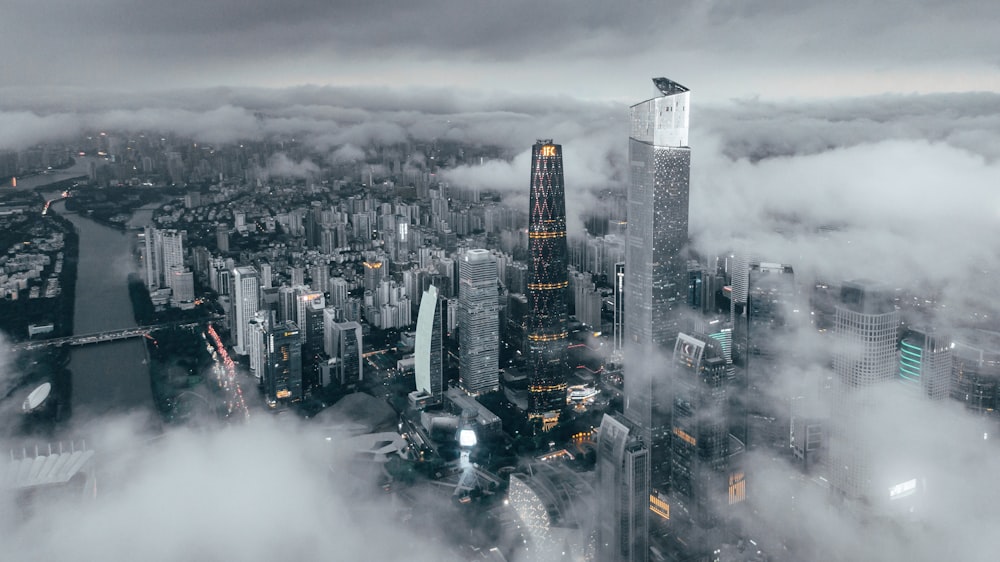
[[622, 490], [478, 322], [865, 327], [428, 349], [283, 368], [655, 266], [245, 303], [547, 285]]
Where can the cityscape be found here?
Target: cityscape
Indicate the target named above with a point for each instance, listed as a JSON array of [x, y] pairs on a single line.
[[477, 314]]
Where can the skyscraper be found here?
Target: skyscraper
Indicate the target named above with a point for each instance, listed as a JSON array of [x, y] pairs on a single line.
[[547, 285], [283, 368], [164, 251], [428, 348], [246, 301], [655, 267], [622, 494], [619, 312], [348, 351], [925, 363], [865, 327], [699, 459], [478, 322], [767, 322]]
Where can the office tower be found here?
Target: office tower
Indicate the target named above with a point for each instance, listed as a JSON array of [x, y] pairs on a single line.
[[865, 326], [429, 351], [246, 302], [699, 450], [283, 367], [478, 322], [547, 285], [222, 238], [287, 304], [331, 315], [619, 312], [304, 301], [622, 490], [319, 277], [257, 330], [266, 276], [312, 342], [768, 321], [925, 363], [739, 282], [347, 354], [975, 375], [655, 267]]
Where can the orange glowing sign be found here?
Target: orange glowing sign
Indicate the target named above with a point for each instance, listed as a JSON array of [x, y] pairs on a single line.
[[549, 150], [283, 394]]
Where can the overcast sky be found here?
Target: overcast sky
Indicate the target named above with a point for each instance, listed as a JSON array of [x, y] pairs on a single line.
[[880, 118], [588, 48]]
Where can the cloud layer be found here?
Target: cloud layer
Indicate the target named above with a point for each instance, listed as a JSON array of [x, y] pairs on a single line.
[[263, 491]]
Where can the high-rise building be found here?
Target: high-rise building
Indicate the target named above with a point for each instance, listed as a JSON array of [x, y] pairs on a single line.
[[547, 285], [925, 363], [428, 348], [975, 375], [699, 459], [313, 342], [865, 327], [478, 322], [655, 266], [245, 303], [622, 489], [305, 300], [348, 351], [287, 305], [283, 367], [163, 252], [767, 322], [619, 312], [222, 238]]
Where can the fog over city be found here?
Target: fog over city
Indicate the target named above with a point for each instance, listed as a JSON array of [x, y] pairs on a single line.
[[852, 142]]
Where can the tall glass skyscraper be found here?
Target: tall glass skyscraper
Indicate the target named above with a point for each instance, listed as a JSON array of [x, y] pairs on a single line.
[[246, 302], [622, 490], [283, 368], [478, 322], [655, 268], [547, 285], [429, 352]]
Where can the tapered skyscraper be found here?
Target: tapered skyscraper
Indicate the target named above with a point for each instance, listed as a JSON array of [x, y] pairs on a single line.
[[655, 268], [547, 285]]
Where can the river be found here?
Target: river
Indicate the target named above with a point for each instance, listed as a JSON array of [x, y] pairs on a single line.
[[81, 167], [107, 377]]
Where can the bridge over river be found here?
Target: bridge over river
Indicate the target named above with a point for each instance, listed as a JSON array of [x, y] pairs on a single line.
[[110, 335]]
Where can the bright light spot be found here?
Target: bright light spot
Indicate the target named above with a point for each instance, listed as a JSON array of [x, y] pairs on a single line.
[[467, 438]]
